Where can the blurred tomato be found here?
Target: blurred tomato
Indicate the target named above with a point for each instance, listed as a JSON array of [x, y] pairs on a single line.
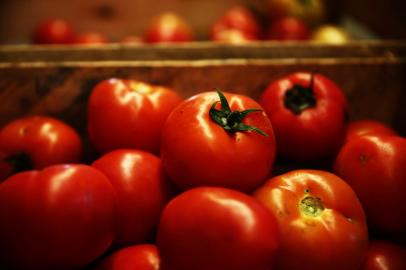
[[54, 31], [321, 221], [375, 167], [34, 142], [59, 218], [288, 28], [367, 127], [233, 36], [167, 28], [142, 191], [91, 38], [385, 256], [331, 34], [128, 114], [216, 229], [140, 257]]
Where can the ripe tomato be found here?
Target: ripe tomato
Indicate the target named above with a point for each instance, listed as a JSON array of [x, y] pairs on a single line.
[[233, 36], [236, 18], [307, 112], [140, 257], [35, 142], [375, 167], [217, 229], [168, 27], [288, 28], [54, 31], [91, 38], [142, 191], [321, 221], [59, 218], [384, 256], [128, 114], [367, 127], [199, 150]]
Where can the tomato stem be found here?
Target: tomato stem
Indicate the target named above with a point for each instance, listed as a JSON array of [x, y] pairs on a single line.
[[231, 121], [299, 98], [311, 206]]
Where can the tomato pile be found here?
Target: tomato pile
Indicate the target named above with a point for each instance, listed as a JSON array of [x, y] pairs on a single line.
[[194, 184]]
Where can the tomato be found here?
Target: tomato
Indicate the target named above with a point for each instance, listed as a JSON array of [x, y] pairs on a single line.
[[233, 36], [288, 28], [375, 167], [34, 142], [140, 257], [91, 38], [236, 18], [331, 34], [168, 27], [385, 256], [321, 221], [367, 127], [311, 11], [142, 190], [59, 218], [128, 114], [204, 146], [307, 112], [218, 229], [54, 31]]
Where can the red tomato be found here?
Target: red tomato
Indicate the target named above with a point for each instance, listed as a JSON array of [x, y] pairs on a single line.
[[217, 229], [128, 114], [59, 218], [375, 167], [196, 150], [307, 112], [168, 27], [35, 142], [233, 36], [141, 257], [367, 127], [321, 221], [54, 31], [288, 28], [142, 191], [91, 38], [385, 256], [236, 18]]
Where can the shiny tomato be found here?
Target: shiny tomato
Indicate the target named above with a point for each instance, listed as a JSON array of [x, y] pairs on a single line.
[[375, 167], [288, 28], [307, 112], [384, 256], [142, 190], [59, 218], [321, 221], [91, 38], [217, 229], [128, 114], [35, 142], [168, 28], [140, 257], [367, 127], [206, 142], [237, 18], [54, 31]]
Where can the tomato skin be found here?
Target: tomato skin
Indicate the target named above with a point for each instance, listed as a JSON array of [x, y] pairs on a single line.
[[128, 114], [217, 229], [335, 239], [54, 31], [59, 218], [45, 140], [384, 256], [237, 18], [288, 28], [142, 191], [375, 167], [168, 28], [317, 132], [139, 257], [91, 38], [367, 127], [196, 151]]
